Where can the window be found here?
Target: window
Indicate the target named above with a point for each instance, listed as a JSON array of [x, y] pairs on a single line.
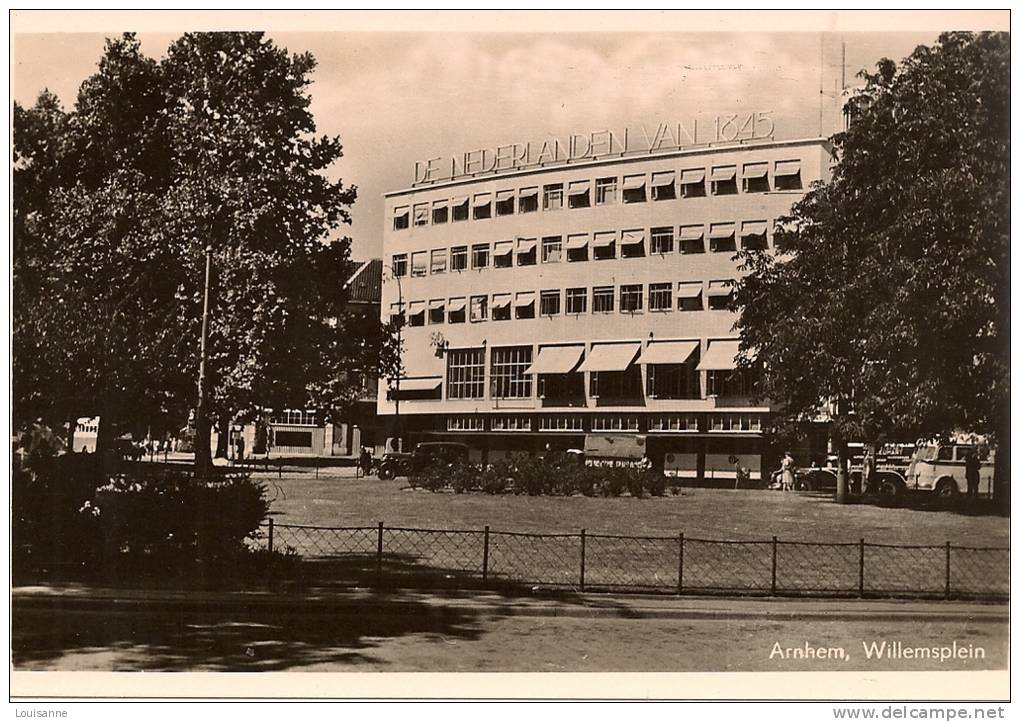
[[605, 191], [294, 417], [418, 263], [482, 206], [479, 308], [606, 422], [673, 422], [399, 265], [602, 299], [465, 374], [552, 197], [437, 311], [396, 312], [416, 317], [579, 194], [527, 251], [577, 247], [456, 310], [664, 186], [509, 380], [605, 245], [622, 386], [524, 305], [724, 180], [632, 244], [631, 298], [662, 240], [438, 264], [735, 422], [721, 238], [460, 208], [738, 382], [550, 303], [552, 249], [692, 239], [421, 214], [660, 297], [527, 200], [504, 203], [674, 381], [689, 296], [788, 175], [501, 307], [401, 218], [480, 255], [440, 212], [561, 423], [756, 177], [577, 300], [503, 254], [458, 258], [464, 423], [754, 236], [692, 183], [634, 189], [719, 294], [515, 422]]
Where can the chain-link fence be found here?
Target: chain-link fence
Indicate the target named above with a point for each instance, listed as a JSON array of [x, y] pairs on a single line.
[[405, 557]]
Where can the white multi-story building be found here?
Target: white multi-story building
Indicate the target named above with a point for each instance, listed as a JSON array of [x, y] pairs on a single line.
[[587, 293]]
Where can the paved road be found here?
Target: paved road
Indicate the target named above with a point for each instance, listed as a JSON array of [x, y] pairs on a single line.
[[357, 630]]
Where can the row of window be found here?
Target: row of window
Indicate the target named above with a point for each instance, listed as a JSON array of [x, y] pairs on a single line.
[[294, 417], [605, 422], [578, 247], [631, 298], [663, 185], [510, 377]]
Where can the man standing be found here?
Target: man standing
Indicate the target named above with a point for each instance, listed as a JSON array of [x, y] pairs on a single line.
[[972, 469]]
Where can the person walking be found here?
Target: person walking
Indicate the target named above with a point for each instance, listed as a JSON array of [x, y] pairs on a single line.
[[740, 472], [788, 468], [868, 477], [365, 461], [972, 470]]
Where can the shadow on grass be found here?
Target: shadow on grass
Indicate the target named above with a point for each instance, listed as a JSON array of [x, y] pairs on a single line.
[[921, 501]]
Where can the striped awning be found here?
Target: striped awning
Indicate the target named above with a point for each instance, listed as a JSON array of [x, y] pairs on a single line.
[[720, 356], [610, 356], [668, 352], [556, 360]]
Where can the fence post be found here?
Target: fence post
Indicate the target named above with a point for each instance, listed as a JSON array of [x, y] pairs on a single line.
[[485, 555], [378, 557], [775, 554], [582, 558], [270, 535], [680, 567], [948, 553], [860, 577], [316, 468]]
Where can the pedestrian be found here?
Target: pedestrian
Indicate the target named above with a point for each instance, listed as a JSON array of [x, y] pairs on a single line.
[[972, 470], [740, 472], [868, 477], [365, 460], [788, 468], [240, 450]]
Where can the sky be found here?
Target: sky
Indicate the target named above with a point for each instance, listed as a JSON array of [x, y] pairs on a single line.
[[397, 97]]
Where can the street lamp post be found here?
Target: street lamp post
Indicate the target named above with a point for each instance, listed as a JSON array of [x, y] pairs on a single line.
[[201, 449], [400, 360]]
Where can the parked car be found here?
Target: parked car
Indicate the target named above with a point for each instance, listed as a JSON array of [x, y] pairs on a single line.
[[425, 454], [940, 468], [126, 448]]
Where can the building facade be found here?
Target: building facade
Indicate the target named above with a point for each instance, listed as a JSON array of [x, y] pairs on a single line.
[[546, 303]]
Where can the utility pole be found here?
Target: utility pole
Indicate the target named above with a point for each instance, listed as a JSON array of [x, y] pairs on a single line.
[[400, 360], [202, 448]]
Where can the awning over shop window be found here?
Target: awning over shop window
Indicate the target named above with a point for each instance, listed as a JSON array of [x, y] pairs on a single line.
[[610, 357], [423, 384], [524, 298], [663, 178], [400, 211], [575, 242], [501, 248], [754, 228], [556, 360], [631, 238], [502, 196], [501, 300], [526, 245], [668, 352], [721, 230], [633, 182], [604, 239], [456, 304], [720, 288], [692, 233], [578, 188], [528, 192], [721, 356], [437, 205], [692, 175], [437, 304], [787, 167], [724, 172], [483, 199], [756, 170], [459, 200], [688, 290]]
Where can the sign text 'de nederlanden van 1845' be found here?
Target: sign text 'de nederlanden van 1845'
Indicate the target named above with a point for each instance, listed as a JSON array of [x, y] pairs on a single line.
[[664, 137]]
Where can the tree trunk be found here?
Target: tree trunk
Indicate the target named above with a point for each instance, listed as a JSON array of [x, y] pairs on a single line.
[[203, 455], [222, 435], [1000, 481], [842, 478]]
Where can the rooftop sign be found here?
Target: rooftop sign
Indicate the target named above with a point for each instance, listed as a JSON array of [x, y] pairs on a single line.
[[730, 127]]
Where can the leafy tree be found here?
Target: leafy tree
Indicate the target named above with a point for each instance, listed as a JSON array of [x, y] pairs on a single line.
[[212, 146], [890, 288]]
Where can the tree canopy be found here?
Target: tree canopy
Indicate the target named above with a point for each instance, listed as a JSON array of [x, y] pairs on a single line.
[[889, 287], [115, 203]]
